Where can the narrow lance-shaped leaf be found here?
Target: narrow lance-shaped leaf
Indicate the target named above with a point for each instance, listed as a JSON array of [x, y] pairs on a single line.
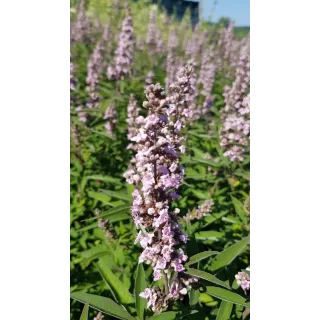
[[227, 295], [208, 235], [239, 209], [85, 310], [117, 209], [117, 194], [228, 255], [102, 304], [140, 285], [206, 276], [99, 196], [225, 310], [104, 179], [200, 256], [121, 292]]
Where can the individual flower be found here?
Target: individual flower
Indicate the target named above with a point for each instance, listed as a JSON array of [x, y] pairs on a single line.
[[99, 316]]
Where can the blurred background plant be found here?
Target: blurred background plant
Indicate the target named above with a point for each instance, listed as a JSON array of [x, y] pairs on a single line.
[[215, 191]]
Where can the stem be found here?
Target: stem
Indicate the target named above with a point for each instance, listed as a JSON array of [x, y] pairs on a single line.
[[166, 284]]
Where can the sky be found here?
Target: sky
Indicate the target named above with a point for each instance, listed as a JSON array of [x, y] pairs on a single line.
[[238, 10]]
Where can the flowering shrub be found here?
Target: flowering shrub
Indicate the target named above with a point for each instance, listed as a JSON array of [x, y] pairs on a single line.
[[159, 175]]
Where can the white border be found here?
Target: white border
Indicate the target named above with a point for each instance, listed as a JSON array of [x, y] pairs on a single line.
[[284, 159], [34, 159]]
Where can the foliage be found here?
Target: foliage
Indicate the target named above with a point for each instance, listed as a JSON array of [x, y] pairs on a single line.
[[105, 274]]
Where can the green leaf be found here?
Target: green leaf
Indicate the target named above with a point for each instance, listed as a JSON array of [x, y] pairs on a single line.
[[206, 276], [207, 162], [118, 288], [228, 255], [200, 194], [104, 179], [117, 194], [118, 216], [231, 219], [95, 252], [140, 285], [208, 235], [170, 315], [102, 304], [225, 310], [117, 209], [85, 310], [227, 295], [212, 219], [201, 256], [194, 296], [99, 196], [239, 209]]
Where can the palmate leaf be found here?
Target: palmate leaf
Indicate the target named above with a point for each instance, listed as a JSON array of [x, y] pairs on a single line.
[[102, 304], [206, 276], [224, 310], [85, 311], [200, 256], [227, 295], [228, 255], [140, 285], [119, 290]]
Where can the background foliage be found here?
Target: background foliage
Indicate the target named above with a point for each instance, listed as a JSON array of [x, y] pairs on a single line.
[[108, 266]]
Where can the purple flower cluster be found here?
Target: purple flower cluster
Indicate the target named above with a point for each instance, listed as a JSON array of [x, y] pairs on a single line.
[[195, 44], [200, 212], [149, 78], [235, 133], [81, 27], [94, 72], [133, 113], [73, 83], [154, 38], [207, 72], [111, 116], [243, 280], [96, 65], [225, 46], [124, 52], [172, 59], [81, 114], [183, 93], [157, 176]]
